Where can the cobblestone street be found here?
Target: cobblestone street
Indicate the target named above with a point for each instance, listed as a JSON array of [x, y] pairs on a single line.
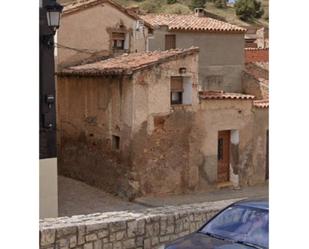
[[76, 198]]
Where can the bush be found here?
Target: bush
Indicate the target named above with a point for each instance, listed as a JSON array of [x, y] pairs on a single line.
[[171, 1], [177, 8], [198, 4], [220, 3], [150, 6], [246, 10]]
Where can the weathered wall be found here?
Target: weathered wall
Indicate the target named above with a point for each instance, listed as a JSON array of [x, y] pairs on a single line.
[[87, 29], [160, 143], [90, 111], [251, 85], [221, 56], [257, 173], [216, 115], [145, 229]]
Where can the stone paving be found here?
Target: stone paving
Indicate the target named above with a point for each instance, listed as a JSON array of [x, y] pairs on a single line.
[[77, 198]]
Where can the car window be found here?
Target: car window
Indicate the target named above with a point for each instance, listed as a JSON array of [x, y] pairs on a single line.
[[241, 224]]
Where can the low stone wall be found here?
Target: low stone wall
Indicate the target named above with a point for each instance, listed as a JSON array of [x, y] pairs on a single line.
[[142, 229]]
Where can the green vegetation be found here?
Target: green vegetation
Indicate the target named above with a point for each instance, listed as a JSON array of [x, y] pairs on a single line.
[[247, 10], [198, 4], [177, 8], [220, 3], [216, 7], [171, 1]]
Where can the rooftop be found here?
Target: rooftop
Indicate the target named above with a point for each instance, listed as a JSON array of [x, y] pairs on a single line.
[[126, 64], [79, 5], [191, 23], [224, 95], [263, 103]]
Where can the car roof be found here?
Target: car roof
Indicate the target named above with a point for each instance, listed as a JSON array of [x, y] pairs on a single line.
[[261, 203]]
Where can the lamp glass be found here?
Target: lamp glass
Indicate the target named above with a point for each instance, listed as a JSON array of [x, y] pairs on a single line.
[[53, 18]]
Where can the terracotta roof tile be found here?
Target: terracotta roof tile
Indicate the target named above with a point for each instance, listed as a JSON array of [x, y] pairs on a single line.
[[263, 103], [127, 63], [224, 95], [191, 23]]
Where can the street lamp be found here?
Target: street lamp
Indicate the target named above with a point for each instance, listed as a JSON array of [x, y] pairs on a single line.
[[53, 11]]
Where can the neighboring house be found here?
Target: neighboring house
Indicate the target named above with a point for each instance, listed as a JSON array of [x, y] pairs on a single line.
[[256, 37], [256, 74], [96, 29], [138, 125], [221, 46]]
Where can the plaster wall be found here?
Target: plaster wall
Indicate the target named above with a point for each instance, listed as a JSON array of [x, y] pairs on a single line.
[[90, 111], [217, 115], [88, 30], [48, 188], [257, 173], [221, 56]]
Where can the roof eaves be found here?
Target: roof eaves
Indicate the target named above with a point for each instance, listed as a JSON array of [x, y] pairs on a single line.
[[96, 2]]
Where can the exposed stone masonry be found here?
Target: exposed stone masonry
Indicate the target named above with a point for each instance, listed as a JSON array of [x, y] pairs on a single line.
[[142, 229]]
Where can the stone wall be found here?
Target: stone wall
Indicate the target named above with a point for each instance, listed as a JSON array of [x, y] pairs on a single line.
[[142, 229]]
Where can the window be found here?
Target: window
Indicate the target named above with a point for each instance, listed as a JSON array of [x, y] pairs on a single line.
[[170, 42], [118, 40], [115, 142], [176, 90]]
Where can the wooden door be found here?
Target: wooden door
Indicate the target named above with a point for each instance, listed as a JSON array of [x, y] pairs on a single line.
[[223, 156], [170, 42]]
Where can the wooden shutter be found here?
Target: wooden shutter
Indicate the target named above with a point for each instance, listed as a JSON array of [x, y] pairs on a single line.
[[118, 36], [176, 84], [170, 42]]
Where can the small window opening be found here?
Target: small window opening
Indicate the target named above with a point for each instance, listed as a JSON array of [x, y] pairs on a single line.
[[176, 90], [115, 142], [118, 40]]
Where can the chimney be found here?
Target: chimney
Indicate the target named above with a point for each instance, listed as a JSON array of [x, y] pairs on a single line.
[[200, 12]]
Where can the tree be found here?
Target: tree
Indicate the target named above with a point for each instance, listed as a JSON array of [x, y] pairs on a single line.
[[248, 9], [177, 8], [171, 1], [220, 3], [198, 4]]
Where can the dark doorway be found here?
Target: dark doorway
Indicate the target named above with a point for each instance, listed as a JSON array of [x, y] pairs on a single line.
[[223, 156]]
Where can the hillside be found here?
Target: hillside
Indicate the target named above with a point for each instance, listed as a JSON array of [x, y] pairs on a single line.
[[182, 7]]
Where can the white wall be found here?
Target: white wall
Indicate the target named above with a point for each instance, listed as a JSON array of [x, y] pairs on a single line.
[[48, 188]]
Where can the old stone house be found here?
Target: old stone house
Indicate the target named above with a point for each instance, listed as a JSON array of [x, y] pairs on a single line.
[[138, 124], [221, 44], [92, 29]]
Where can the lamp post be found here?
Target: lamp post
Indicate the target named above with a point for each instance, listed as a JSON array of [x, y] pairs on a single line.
[[50, 12]]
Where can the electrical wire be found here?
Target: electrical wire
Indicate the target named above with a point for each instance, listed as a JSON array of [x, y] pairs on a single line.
[[87, 51]]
